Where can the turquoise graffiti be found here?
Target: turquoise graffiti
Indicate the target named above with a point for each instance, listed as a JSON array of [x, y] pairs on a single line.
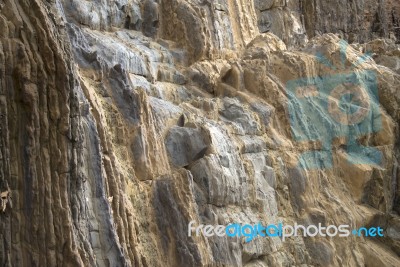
[[340, 105]]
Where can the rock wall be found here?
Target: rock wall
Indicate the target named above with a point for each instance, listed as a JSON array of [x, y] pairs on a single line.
[[122, 121]]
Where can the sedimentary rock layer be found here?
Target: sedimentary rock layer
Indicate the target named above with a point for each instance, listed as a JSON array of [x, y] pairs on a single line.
[[122, 121]]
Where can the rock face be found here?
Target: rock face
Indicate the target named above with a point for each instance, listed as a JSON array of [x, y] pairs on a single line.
[[122, 121]]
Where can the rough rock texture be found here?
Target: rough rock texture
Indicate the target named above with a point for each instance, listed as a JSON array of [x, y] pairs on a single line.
[[123, 120]]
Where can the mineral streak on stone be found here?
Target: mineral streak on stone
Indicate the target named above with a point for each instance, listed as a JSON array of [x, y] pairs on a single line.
[[122, 121]]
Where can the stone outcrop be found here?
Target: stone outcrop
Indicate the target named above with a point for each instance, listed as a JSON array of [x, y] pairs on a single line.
[[122, 121]]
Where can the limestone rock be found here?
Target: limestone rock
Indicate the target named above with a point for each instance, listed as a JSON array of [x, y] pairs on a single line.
[[122, 121], [185, 145]]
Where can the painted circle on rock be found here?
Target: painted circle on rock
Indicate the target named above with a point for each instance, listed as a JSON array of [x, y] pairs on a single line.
[[348, 104]]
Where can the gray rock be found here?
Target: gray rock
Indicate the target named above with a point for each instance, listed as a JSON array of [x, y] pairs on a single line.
[[172, 225], [185, 145], [297, 187], [263, 4], [264, 184], [169, 74], [320, 252], [264, 22], [151, 18], [252, 145], [263, 111], [243, 121]]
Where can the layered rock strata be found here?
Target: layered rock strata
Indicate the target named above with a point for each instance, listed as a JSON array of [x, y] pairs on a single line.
[[122, 121]]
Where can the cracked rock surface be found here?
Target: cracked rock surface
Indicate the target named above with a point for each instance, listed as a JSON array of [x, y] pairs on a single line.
[[123, 120]]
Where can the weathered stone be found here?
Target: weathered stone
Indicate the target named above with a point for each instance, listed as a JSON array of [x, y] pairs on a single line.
[[151, 17], [243, 121], [263, 4], [320, 252], [172, 225], [122, 121], [185, 145]]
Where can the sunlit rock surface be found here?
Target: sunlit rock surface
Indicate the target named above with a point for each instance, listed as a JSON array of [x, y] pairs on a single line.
[[122, 121]]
